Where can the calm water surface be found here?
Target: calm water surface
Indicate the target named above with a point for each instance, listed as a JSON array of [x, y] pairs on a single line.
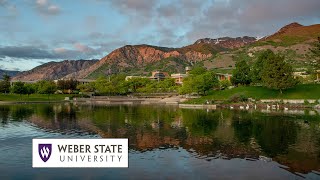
[[168, 142]]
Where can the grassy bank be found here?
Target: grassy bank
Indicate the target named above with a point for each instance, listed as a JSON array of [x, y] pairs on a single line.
[[303, 91], [32, 97]]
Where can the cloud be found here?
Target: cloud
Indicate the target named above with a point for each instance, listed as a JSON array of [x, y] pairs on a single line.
[[3, 2], [16, 69], [95, 35], [91, 23], [60, 50], [168, 10], [10, 9], [80, 51], [41, 2], [11, 63], [53, 9], [27, 52], [159, 22], [196, 19], [144, 7], [44, 7], [253, 18], [83, 48], [41, 62]]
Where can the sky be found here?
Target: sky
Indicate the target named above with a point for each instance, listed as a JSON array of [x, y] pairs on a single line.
[[33, 32]]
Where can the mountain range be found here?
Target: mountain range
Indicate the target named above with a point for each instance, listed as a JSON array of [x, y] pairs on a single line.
[[54, 70], [8, 72], [294, 40]]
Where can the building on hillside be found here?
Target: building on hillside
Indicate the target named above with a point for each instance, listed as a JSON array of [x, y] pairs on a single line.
[[85, 81], [188, 69], [302, 74], [318, 75], [158, 75], [130, 77], [221, 76], [178, 78], [26, 82], [80, 81]]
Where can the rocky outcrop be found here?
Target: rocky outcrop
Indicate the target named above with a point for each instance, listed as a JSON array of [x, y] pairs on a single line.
[[228, 42], [136, 56], [54, 70]]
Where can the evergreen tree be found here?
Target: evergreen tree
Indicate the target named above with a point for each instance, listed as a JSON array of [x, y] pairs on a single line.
[[316, 52], [277, 74], [258, 66], [241, 74], [5, 84]]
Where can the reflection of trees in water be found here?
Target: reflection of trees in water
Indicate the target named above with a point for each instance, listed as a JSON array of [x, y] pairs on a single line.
[[151, 127], [243, 126], [146, 127], [14, 113], [4, 114], [200, 122], [44, 116], [66, 117], [20, 112], [55, 116], [211, 134], [45, 111], [274, 134]]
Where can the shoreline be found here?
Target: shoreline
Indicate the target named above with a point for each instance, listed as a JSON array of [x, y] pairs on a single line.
[[269, 104], [272, 104], [30, 102]]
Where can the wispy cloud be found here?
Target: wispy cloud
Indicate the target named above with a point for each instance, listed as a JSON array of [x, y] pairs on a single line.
[[9, 8], [44, 7], [144, 7], [80, 51]]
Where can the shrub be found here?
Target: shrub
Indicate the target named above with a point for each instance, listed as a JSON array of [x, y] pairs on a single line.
[[238, 98], [224, 84]]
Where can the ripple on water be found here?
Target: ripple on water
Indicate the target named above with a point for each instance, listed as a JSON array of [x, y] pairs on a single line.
[[19, 129]]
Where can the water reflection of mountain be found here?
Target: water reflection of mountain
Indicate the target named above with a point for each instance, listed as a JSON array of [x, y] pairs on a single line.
[[291, 140]]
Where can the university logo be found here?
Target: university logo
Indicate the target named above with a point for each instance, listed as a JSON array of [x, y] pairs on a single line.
[[45, 151], [73, 153]]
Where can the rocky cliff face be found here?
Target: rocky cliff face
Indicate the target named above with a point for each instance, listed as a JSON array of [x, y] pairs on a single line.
[[138, 56], [54, 70], [228, 42]]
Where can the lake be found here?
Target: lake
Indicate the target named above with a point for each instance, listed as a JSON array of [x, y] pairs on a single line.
[[166, 142]]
